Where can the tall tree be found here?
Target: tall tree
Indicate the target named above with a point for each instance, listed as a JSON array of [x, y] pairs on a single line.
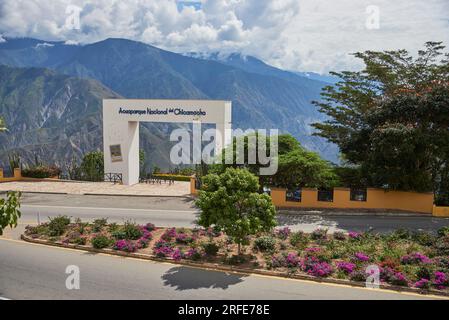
[[390, 119], [231, 201], [297, 167]]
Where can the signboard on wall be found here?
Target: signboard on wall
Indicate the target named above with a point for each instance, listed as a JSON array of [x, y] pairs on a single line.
[[116, 153]]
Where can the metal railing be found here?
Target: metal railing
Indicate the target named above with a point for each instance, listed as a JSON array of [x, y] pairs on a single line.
[[150, 179], [113, 177]]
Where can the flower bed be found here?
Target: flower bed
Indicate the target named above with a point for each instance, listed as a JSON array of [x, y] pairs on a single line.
[[414, 260]]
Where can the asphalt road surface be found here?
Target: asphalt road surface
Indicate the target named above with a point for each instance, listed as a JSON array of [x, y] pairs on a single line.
[[30, 271], [181, 212]]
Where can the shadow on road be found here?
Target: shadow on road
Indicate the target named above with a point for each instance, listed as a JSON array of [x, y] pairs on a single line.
[[183, 278]]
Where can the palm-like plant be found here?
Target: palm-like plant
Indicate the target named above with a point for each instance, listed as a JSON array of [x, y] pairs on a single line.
[[2, 125]]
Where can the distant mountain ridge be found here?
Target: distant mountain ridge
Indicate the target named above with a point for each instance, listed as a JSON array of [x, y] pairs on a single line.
[[263, 96], [254, 65], [50, 115]]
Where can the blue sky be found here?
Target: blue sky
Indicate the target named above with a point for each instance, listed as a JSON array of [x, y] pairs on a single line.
[[302, 35]]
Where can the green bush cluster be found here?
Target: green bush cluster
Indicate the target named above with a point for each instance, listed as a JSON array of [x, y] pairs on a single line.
[[173, 177], [210, 248], [101, 241], [99, 224], [58, 225], [265, 243], [299, 240], [41, 172]]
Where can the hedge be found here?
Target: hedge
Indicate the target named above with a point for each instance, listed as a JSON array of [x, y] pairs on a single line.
[[41, 172], [174, 177]]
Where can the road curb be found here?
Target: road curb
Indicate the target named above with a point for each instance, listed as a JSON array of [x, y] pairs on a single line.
[[225, 268]]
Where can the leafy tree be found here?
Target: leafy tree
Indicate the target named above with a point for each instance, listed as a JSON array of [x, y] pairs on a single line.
[[92, 166], [9, 211], [2, 125], [301, 168], [390, 120], [231, 202], [297, 167]]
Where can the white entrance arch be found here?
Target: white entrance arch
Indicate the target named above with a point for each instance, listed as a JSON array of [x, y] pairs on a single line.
[[121, 119]]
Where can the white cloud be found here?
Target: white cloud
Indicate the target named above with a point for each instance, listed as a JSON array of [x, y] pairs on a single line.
[[312, 35]]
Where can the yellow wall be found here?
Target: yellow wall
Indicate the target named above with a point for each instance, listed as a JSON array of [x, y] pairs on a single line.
[[440, 211], [193, 190], [376, 199], [17, 176]]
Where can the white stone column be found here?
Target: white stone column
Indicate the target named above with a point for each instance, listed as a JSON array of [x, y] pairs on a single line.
[[126, 135]]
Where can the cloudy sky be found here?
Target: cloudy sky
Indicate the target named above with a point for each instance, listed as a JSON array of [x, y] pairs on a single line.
[[303, 35]]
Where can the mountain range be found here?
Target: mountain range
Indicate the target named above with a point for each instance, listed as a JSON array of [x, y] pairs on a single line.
[[50, 94]]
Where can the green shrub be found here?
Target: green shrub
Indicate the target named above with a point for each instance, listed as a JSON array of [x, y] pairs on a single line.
[[80, 241], [81, 226], [99, 224], [58, 225], [442, 245], [425, 272], [444, 231], [76, 237], [92, 167], [358, 276], [101, 241], [131, 231], [210, 248], [400, 234], [299, 239], [38, 230], [113, 227], [265, 243], [173, 177], [423, 238], [119, 234], [41, 172], [339, 235], [319, 234]]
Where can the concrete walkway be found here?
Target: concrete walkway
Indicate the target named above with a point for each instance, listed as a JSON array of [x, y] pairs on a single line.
[[106, 188]]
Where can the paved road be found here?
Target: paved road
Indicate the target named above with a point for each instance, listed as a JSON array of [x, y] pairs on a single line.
[[37, 272], [181, 212]]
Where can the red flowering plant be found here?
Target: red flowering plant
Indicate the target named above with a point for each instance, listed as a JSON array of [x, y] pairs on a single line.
[[441, 280], [415, 258], [283, 233], [399, 279], [163, 249], [184, 238], [315, 267], [193, 254], [422, 284], [177, 255], [346, 267], [360, 257], [169, 234], [125, 245]]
